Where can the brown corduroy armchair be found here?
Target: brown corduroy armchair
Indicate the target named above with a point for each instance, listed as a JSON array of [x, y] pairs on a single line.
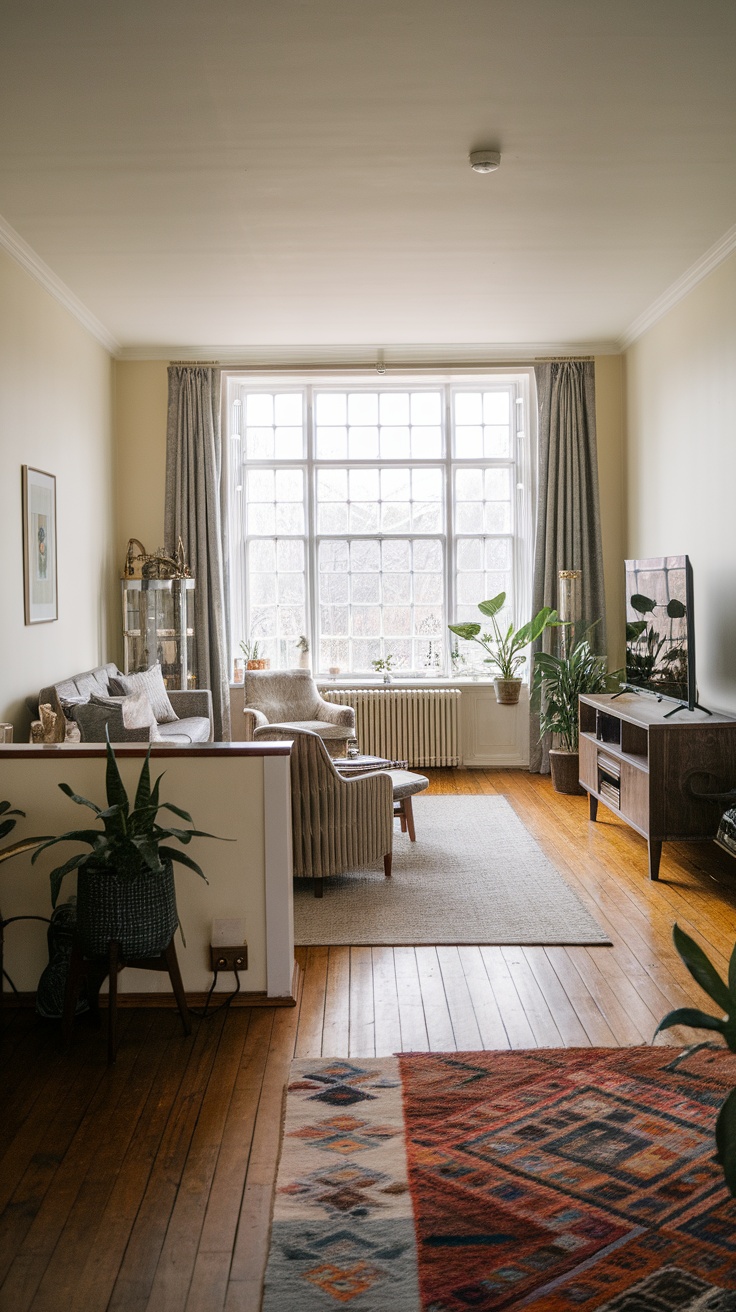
[[337, 824]]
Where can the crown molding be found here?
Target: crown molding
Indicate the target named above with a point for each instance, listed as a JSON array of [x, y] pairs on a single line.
[[26, 257], [456, 355], [679, 289]]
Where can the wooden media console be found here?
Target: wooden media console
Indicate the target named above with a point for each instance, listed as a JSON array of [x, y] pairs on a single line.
[[644, 766]]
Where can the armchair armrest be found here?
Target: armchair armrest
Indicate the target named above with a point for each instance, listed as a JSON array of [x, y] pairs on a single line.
[[332, 713], [191, 701], [253, 720]]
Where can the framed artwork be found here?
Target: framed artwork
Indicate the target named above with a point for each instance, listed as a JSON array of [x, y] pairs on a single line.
[[39, 546]]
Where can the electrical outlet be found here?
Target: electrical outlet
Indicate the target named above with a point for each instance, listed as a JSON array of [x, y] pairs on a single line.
[[229, 958]]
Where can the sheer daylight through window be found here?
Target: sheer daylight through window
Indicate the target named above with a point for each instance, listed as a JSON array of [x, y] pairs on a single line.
[[366, 518]]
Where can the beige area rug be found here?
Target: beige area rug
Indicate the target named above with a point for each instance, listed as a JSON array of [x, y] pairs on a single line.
[[474, 875]]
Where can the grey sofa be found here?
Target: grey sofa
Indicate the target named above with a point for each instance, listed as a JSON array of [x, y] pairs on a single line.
[[278, 702], [193, 707]]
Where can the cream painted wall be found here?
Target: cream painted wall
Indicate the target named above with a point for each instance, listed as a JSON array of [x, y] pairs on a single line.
[[55, 414], [141, 389], [681, 463]]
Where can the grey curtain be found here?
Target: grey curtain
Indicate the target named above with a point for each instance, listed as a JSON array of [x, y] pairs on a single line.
[[568, 533], [197, 510]]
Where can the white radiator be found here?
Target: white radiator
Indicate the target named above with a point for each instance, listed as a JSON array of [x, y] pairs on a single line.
[[418, 725]]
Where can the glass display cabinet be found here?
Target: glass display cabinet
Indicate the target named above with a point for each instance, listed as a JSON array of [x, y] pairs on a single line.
[[158, 625]]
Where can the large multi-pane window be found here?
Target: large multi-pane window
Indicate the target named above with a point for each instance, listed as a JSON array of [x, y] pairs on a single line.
[[367, 517]]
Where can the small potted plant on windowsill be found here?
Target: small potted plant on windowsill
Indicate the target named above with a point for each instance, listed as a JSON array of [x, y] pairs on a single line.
[[384, 666], [252, 660], [303, 648], [506, 650]]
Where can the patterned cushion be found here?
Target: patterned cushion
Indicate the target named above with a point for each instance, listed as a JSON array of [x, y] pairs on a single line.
[[151, 682]]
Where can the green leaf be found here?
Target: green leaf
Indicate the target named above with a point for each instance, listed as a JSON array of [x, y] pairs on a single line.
[[174, 854], [143, 791], [183, 815], [726, 1141], [57, 876], [675, 609], [5, 808], [492, 607], [81, 801], [634, 630], [23, 845], [115, 788], [702, 970], [697, 1020], [732, 972], [466, 631], [644, 605]]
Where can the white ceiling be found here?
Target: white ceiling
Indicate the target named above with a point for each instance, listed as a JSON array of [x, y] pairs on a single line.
[[250, 172]]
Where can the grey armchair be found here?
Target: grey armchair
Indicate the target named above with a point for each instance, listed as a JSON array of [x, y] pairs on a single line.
[[337, 824], [280, 702]]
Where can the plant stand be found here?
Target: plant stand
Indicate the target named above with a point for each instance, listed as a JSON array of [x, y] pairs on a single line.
[[97, 969]]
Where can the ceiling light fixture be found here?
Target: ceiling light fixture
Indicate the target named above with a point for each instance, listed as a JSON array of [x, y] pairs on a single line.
[[484, 161]]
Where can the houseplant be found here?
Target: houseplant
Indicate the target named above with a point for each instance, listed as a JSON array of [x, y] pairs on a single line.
[[125, 883], [724, 995], [556, 686], [506, 649], [252, 660], [303, 647]]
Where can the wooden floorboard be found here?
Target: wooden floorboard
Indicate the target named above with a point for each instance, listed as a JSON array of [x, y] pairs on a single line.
[[149, 1186]]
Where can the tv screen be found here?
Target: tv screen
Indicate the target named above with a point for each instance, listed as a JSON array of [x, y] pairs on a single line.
[[660, 646]]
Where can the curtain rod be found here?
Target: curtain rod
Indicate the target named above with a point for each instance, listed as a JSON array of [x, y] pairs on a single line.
[[455, 366]]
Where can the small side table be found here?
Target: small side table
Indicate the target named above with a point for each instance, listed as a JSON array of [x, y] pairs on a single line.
[[97, 969]]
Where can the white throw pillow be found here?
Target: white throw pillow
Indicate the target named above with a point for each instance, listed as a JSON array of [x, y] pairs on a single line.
[[151, 682], [136, 710]]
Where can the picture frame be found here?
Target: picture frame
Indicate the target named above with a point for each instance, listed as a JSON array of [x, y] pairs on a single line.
[[40, 574]]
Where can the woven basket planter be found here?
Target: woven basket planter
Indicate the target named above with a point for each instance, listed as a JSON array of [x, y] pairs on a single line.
[[507, 691], [565, 771], [139, 914]]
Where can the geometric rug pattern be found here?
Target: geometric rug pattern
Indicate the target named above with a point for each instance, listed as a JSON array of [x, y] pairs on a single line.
[[474, 875], [547, 1180]]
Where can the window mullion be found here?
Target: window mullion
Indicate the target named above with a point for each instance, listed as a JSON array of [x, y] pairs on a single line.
[[313, 625]]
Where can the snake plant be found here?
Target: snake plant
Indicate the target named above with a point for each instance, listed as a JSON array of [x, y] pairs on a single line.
[[131, 843], [724, 995]]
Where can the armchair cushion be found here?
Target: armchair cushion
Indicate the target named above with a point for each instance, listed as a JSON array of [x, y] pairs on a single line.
[[291, 697]]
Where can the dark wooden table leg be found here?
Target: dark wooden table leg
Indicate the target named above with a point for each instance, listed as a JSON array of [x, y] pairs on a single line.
[[318, 887], [655, 852], [592, 806], [172, 965], [409, 813], [387, 864], [112, 1004]]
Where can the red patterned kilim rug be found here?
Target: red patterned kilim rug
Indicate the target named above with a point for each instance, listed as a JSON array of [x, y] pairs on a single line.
[[552, 1180], [569, 1180]]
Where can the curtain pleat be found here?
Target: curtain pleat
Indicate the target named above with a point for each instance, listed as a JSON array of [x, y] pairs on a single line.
[[568, 532], [197, 511]]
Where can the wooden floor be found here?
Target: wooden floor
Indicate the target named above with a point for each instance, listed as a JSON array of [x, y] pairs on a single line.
[[148, 1186]]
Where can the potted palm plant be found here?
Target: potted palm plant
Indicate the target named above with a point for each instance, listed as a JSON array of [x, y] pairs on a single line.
[[556, 686], [125, 882], [506, 649]]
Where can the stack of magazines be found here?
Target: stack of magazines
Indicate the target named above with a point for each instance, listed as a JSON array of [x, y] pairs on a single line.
[[364, 767]]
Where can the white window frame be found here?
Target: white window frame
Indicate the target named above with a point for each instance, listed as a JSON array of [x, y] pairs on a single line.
[[522, 463]]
